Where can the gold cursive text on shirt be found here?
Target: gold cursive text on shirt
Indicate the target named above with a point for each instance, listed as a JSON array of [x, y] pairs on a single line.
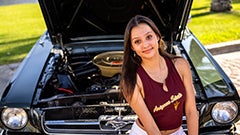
[[172, 99]]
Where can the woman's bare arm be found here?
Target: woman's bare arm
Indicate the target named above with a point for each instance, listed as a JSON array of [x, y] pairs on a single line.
[[191, 112]]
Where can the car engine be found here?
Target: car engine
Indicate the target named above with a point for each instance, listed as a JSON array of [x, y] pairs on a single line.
[[74, 87]]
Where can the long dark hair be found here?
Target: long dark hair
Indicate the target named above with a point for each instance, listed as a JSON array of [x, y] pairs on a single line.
[[132, 61]]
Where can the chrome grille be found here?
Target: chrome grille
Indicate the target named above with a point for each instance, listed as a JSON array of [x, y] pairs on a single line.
[[102, 118]]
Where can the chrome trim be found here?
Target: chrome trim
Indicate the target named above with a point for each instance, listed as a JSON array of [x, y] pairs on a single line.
[[72, 122]]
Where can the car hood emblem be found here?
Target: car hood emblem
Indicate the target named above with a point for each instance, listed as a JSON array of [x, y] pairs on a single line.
[[116, 122]]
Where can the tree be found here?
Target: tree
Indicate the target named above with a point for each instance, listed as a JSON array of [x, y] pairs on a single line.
[[221, 6]]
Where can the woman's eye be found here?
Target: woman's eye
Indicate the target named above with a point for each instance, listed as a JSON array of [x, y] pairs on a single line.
[[149, 37], [137, 41]]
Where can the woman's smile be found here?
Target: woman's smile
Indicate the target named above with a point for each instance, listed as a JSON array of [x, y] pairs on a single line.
[[149, 50]]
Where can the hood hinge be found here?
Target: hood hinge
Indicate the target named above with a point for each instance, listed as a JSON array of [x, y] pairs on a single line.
[[57, 40]]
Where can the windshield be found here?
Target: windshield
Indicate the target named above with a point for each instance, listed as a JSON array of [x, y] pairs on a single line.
[[212, 81]]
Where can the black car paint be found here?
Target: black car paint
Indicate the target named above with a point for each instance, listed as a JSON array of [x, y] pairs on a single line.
[[94, 17], [203, 102], [22, 87]]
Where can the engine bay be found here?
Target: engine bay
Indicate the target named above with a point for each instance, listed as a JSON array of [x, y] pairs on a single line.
[[73, 72], [73, 87]]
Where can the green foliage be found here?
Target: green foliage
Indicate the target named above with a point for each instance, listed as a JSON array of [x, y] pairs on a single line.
[[212, 27]]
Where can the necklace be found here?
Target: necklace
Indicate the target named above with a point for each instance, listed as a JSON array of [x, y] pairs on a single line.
[[158, 73]]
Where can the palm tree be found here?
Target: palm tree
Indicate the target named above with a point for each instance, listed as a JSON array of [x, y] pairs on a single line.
[[221, 5]]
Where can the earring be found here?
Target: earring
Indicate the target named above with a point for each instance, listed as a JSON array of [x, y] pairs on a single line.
[[134, 54]]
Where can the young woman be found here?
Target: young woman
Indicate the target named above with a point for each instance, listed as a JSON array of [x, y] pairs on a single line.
[[157, 85]]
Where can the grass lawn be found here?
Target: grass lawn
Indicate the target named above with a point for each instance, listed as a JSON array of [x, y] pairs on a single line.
[[21, 26], [215, 27]]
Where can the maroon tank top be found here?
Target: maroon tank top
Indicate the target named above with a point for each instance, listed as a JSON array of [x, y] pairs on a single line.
[[166, 107]]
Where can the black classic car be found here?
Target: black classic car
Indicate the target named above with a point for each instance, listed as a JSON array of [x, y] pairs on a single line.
[[69, 82]]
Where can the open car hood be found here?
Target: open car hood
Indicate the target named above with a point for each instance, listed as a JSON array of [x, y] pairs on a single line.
[[68, 19]]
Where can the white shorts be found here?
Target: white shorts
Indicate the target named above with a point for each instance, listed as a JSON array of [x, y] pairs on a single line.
[[136, 130]]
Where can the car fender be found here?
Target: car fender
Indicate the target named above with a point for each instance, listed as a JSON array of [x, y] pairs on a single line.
[[21, 88]]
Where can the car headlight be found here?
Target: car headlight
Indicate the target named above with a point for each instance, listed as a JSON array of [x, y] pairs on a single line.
[[14, 118], [224, 112]]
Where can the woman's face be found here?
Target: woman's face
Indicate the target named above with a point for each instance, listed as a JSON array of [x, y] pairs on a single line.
[[144, 41]]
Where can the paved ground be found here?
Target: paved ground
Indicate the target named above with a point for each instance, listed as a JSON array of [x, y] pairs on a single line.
[[6, 72], [10, 2], [230, 62]]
